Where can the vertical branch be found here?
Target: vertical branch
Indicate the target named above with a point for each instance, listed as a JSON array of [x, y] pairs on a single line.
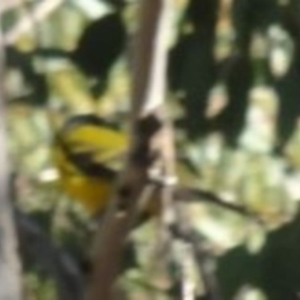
[[149, 57], [10, 280]]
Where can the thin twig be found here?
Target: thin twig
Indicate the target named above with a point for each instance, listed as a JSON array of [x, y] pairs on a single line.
[[202, 196], [203, 259]]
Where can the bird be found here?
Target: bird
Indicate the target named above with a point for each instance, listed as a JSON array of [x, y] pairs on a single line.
[[89, 152]]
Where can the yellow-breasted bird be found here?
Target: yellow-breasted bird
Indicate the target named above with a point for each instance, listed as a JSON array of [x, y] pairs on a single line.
[[88, 153]]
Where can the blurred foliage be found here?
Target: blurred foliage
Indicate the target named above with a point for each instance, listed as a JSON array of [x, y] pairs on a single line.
[[234, 95]]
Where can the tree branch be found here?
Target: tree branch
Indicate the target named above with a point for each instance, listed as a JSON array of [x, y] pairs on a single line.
[[149, 57]]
